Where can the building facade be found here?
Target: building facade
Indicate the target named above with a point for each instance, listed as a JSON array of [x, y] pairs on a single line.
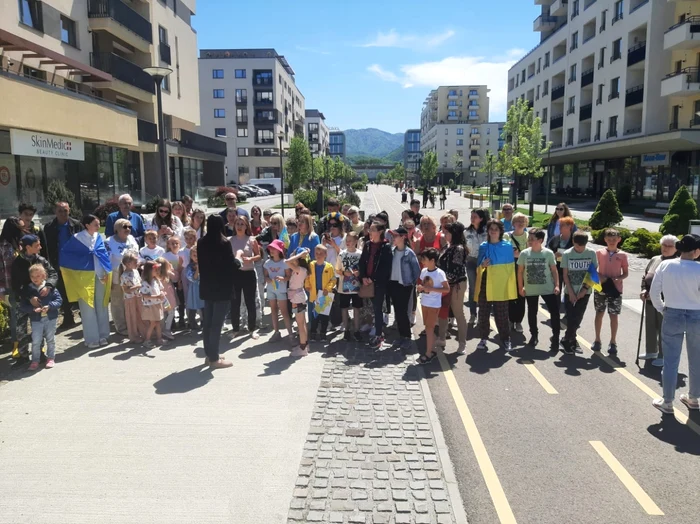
[[336, 141], [83, 111], [317, 133], [249, 98], [411, 153], [616, 85], [455, 126]]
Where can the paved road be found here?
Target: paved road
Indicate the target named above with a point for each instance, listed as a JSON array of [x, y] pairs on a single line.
[[543, 447]]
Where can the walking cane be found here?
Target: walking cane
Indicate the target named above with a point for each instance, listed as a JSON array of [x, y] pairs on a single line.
[[641, 326]]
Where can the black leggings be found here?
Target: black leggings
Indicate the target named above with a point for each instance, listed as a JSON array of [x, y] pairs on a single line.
[[244, 283]]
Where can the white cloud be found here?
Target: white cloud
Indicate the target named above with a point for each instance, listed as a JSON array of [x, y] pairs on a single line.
[[417, 42], [312, 50], [459, 70]]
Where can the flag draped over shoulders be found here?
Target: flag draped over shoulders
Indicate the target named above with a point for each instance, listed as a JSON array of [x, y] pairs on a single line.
[[79, 271], [501, 284]]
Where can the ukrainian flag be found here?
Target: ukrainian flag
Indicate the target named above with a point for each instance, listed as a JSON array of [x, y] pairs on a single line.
[[78, 270], [592, 279], [284, 237], [501, 284]]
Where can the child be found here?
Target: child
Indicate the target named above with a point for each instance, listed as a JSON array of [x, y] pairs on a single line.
[[176, 260], [151, 250], [348, 269], [130, 280], [297, 296], [194, 303], [153, 298], [432, 284], [43, 314], [575, 263], [333, 240], [165, 275], [321, 279], [190, 242], [613, 268], [518, 238], [276, 277]]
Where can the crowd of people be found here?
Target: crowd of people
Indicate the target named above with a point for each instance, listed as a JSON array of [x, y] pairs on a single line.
[[182, 270]]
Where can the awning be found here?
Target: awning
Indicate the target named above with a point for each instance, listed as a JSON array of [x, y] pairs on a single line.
[[29, 50]]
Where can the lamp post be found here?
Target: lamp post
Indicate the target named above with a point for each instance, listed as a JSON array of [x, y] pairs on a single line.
[[158, 74], [281, 137]]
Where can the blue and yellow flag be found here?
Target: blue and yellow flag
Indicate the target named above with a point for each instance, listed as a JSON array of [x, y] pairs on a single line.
[[77, 263], [592, 279], [284, 237], [501, 284]]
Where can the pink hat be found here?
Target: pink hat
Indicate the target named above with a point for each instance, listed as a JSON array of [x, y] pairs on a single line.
[[277, 245]]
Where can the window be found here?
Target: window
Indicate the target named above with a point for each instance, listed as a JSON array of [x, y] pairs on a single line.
[[240, 73], [242, 151], [30, 13], [522, 80], [614, 88], [280, 79], [242, 132], [68, 31], [220, 131], [574, 41], [241, 116], [473, 113], [445, 154], [599, 100], [539, 64], [546, 60], [616, 50], [162, 35], [619, 8], [262, 78], [217, 73], [612, 127], [264, 97], [603, 17], [165, 84], [488, 130], [446, 143], [241, 96], [574, 9], [544, 115], [460, 152], [460, 142], [570, 136], [264, 136], [572, 105], [460, 130], [452, 92], [537, 96], [598, 129], [475, 131], [219, 113], [451, 114], [447, 131], [545, 88], [601, 62], [218, 93], [572, 73], [452, 103]]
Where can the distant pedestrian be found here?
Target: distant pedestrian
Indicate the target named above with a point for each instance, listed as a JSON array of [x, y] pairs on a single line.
[[443, 197]]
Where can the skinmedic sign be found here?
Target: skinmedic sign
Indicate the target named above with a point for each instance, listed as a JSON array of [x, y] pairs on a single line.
[[30, 143]]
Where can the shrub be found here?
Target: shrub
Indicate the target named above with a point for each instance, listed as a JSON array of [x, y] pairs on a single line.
[[607, 213], [643, 242], [598, 235], [58, 192], [307, 197], [451, 184], [105, 209], [681, 211], [358, 186], [151, 205], [624, 195], [631, 245]]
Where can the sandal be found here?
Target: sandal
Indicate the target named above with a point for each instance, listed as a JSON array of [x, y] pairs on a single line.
[[426, 359]]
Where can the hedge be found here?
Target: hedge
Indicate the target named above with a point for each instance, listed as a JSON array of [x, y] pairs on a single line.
[[641, 241], [308, 198]]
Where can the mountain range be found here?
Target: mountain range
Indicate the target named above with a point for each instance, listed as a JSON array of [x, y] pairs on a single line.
[[374, 143]]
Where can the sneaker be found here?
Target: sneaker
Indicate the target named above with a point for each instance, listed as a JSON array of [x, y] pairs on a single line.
[[612, 349], [690, 402], [93, 345], [661, 405], [517, 327], [233, 333], [658, 362], [299, 352], [358, 336], [413, 319], [425, 359], [255, 335], [554, 344], [276, 336], [103, 342], [148, 344], [568, 346], [597, 346], [167, 335], [462, 349], [482, 345], [51, 363], [33, 366], [347, 336], [533, 341], [440, 342], [648, 356], [508, 346], [160, 342], [376, 342], [220, 364]]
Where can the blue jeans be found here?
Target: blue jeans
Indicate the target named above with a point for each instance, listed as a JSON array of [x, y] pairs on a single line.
[[213, 316], [676, 323], [44, 329]]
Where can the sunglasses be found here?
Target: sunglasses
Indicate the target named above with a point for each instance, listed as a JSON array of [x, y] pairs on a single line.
[[126, 227], [163, 211], [560, 209]]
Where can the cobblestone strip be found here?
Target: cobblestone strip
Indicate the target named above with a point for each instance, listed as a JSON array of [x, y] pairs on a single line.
[[370, 454]]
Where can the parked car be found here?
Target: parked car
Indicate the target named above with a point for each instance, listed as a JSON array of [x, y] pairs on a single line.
[[270, 188], [255, 190]]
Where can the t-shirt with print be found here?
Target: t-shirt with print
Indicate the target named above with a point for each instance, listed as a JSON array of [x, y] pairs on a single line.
[[433, 278], [348, 262], [537, 276], [174, 259], [148, 253], [612, 265], [274, 270], [150, 290], [130, 278], [577, 265], [519, 242]]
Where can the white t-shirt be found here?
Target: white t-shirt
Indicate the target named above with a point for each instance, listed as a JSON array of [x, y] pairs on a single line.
[[151, 254], [332, 256], [433, 278], [185, 255]]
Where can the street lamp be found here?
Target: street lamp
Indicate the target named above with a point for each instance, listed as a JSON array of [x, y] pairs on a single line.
[[281, 137], [158, 74]]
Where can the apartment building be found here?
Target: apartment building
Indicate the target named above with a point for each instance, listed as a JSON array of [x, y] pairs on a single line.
[[337, 144], [80, 108], [616, 85], [249, 98], [455, 126], [411, 153], [317, 133]]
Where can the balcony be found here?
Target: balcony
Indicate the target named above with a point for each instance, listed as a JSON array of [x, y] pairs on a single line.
[[544, 23], [557, 92], [147, 131], [242, 101], [617, 18], [475, 135], [271, 119], [129, 78], [634, 95], [473, 106], [633, 131], [611, 134], [585, 112], [613, 95], [453, 118], [685, 82], [452, 96], [569, 142], [637, 54], [164, 52], [555, 145], [584, 140], [587, 77], [474, 96], [121, 21], [556, 121], [559, 7], [263, 102], [683, 34], [197, 142], [473, 117]]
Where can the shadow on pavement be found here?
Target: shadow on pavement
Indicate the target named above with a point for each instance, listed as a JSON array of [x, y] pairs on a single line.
[[184, 381], [669, 430], [277, 366]]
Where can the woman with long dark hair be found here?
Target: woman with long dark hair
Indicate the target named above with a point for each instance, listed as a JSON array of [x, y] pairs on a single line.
[[12, 232], [217, 270], [453, 262], [474, 235], [197, 222], [561, 211], [165, 223], [247, 249]]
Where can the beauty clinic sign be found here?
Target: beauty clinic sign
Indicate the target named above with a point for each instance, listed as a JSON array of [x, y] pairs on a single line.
[[30, 143]]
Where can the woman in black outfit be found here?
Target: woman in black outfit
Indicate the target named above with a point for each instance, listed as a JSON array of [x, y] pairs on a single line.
[[375, 269], [217, 270]]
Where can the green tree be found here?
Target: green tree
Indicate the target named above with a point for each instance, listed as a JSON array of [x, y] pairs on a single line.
[[680, 212], [58, 192], [458, 164], [607, 213], [524, 146], [318, 171], [490, 166], [298, 165], [364, 178], [429, 167], [380, 178]]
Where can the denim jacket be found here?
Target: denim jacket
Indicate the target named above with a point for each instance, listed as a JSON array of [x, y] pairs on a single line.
[[410, 270], [53, 300]]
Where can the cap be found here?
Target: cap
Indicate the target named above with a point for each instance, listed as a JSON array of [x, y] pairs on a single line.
[[399, 231], [277, 245], [28, 240], [686, 244]]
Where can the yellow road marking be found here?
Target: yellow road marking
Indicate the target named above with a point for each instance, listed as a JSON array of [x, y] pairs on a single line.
[[539, 377], [680, 416], [632, 486]]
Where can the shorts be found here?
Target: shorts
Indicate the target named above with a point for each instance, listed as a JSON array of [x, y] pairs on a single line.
[[347, 298], [275, 293], [601, 301], [298, 308]]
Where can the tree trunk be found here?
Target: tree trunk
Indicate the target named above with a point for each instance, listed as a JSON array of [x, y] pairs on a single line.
[[532, 196]]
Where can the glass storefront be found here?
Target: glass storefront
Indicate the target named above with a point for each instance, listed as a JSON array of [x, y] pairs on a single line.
[[186, 176]]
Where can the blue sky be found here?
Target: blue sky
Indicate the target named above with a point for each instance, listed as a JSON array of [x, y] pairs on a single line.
[[372, 63]]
